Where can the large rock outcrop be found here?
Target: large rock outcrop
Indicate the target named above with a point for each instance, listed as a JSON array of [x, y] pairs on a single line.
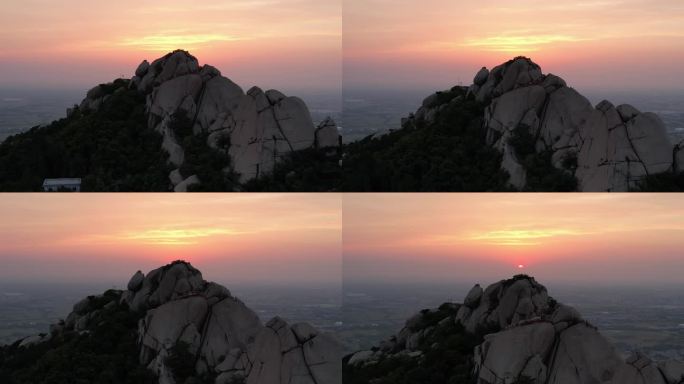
[[256, 129], [549, 342], [605, 147], [610, 148], [532, 337], [226, 338], [502, 304]]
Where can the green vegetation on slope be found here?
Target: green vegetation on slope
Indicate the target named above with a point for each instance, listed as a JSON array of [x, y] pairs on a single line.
[[308, 170], [449, 155], [212, 166], [542, 176], [110, 149], [447, 353], [181, 362], [662, 182], [106, 352]]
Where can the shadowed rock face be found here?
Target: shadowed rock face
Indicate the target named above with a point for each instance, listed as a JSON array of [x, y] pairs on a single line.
[[260, 126], [610, 148], [226, 337], [538, 339]]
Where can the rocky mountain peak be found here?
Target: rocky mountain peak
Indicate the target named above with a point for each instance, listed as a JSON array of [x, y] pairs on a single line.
[[513, 74], [524, 336], [606, 148], [506, 303], [218, 336], [166, 283], [531, 114], [255, 129], [170, 66]]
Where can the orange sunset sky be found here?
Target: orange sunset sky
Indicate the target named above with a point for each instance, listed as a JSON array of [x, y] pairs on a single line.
[[287, 44], [592, 44], [467, 238], [325, 238], [299, 45], [256, 238]]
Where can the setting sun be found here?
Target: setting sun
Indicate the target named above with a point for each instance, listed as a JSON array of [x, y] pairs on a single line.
[[594, 44], [453, 236]]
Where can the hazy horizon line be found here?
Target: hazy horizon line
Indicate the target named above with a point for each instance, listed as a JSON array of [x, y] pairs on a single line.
[[546, 283], [428, 87]]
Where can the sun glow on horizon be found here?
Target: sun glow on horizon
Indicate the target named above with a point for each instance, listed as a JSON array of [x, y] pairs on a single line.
[[169, 42], [451, 236], [186, 236], [44, 44], [521, 237], [596, 44], [517, 44], [284, 237], [505, 237]]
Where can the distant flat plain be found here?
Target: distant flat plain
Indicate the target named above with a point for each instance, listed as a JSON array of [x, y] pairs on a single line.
[[20, 110]]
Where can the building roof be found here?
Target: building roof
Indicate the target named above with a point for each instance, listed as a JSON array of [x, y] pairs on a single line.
[[58, 182]]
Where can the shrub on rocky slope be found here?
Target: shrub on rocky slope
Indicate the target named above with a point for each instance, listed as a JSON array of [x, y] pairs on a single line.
[[517, 128], [111, 149], [175, 125], [172, 327], [510, 332], [448, 152], [103, 351]]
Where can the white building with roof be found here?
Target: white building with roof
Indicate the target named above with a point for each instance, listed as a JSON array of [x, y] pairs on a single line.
[[62, 185]]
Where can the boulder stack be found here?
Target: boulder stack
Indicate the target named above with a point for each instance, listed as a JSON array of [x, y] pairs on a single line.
[[503, 304], [606, 148], [531, 338], [549, 342], [256, 129], [228, 340]]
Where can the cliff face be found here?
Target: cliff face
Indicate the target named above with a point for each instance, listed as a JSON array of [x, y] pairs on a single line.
[[256, 129], [606, 148], [223, 340], [528, 338]]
